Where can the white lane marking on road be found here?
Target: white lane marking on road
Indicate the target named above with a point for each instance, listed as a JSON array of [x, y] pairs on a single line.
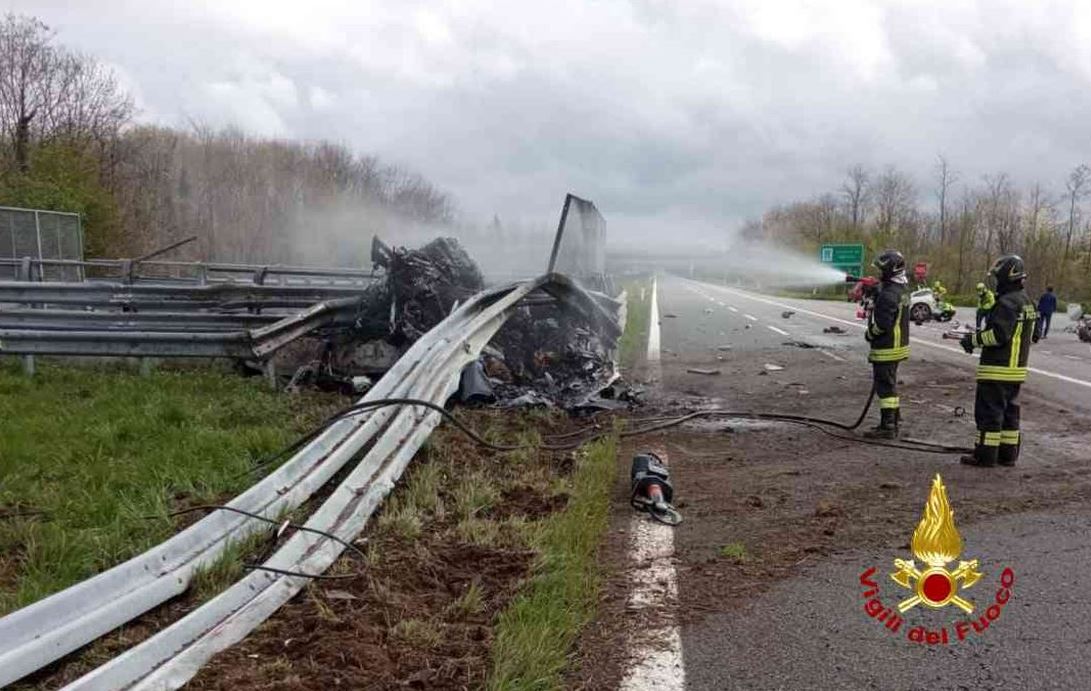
[[782, 332], [927, 344], [658, 652], [750, 317], [653, 325], [832, 356], [1045, 352]]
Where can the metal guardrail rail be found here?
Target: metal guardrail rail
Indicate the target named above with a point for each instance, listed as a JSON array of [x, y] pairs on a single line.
[[196, 273], [43, 632], [257, 343]]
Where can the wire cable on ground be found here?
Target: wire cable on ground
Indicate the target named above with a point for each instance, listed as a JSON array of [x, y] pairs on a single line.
[[819, 424]]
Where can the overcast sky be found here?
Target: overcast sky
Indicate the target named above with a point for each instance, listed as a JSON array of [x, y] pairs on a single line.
[[666, 113]]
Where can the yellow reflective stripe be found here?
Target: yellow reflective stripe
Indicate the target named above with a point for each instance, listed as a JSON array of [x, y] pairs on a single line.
[[986, 338], [888, 354], [1016, 343], [898, 327], [990, 438], [1001, 373], [888, 403], [1009, 436]]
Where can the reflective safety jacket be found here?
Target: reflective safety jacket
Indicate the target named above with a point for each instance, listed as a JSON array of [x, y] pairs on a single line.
[[985, 300], [1010, 328], [888, 326]]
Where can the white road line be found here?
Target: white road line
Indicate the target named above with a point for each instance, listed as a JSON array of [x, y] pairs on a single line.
[[657, 652], [653, 325], [927, 344], [782, 332], [831, 355], [750, 317], [732, 308]]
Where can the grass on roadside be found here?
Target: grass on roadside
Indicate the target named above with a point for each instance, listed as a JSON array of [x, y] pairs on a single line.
[[87, 453], [536, 632], [634, 341]]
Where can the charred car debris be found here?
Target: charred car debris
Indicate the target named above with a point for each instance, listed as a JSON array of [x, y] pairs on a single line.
[[547, 353]]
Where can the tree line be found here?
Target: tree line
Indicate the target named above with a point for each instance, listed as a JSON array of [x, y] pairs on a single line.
[[70, 143], [958, 226]]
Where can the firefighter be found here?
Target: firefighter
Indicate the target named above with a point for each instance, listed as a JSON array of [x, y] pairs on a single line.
[[1010, 328], [888, 334], [985, 301]]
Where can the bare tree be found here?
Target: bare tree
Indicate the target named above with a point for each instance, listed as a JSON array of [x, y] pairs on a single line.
[[47, 92], [945, 179], [894, 194], [855, 191], [1076, 184], [30, 70]]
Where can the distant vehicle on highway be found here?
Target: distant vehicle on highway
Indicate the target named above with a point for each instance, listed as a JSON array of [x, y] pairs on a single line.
[[923, 307]]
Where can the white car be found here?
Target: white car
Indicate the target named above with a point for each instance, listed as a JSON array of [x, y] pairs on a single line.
[[923, 307]]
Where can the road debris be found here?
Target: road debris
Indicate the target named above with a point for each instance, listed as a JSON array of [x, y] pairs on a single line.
[[833, 330], [723, 348], [700, 370], [769, 367], [787, 314], [799, 344]]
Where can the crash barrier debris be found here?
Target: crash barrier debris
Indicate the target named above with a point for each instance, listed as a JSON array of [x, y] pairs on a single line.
[[652, 491], [430, 370]]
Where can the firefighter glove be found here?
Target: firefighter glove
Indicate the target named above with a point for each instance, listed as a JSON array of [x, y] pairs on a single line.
[[967, 343]]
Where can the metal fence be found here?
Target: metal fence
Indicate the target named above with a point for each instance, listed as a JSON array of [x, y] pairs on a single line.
[[38, 235]]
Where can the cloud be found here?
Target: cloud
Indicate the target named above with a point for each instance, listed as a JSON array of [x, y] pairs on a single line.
[[695, 114]]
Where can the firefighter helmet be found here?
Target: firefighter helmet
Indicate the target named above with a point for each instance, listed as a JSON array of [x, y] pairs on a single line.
[[1009, 269], [981, 287], [890, 263]]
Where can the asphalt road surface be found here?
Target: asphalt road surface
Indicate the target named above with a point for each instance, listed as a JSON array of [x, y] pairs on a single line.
[[813, 513]]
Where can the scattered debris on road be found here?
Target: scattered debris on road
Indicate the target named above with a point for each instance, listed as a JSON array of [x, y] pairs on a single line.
[[769, 367], [833, 330], [670, 316], [723, 348], [700, 370], [787, 314], [798, 344]]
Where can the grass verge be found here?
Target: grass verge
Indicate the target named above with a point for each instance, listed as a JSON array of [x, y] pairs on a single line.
[[535, 634], [634, 341], [87, 453]]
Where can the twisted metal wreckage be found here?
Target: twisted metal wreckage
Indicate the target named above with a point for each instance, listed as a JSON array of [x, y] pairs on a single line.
[[579, 329]]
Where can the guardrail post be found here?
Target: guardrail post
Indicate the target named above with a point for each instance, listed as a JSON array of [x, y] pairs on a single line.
[[25, 274], [270, 373]]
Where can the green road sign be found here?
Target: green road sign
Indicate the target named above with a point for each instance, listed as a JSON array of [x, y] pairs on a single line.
[[850, 255], [845, 257]]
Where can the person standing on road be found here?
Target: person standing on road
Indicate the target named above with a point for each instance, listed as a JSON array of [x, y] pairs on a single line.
[[888, 334], [985, 301], [1047, 305], [1005, 343]]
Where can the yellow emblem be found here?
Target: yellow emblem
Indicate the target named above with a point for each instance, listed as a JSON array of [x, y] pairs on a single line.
[[936, 542]]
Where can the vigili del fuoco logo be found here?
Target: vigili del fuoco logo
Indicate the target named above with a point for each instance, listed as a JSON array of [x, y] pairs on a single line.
[[933, 585]]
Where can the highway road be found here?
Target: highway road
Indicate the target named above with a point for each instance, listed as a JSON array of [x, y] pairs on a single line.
[[1061, 365], [805, 515]]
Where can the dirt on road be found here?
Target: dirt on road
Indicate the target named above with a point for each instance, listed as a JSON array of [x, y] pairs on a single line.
[[762, 500]]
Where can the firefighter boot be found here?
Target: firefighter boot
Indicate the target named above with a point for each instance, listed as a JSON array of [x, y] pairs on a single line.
[[888, 425], [1009, 454], [983, 456]]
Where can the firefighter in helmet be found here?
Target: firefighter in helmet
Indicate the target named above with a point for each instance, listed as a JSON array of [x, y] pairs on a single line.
[[888, 334], [1010, 328]]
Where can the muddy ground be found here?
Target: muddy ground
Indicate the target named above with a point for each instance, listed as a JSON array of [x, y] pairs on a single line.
[[782, 497]]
